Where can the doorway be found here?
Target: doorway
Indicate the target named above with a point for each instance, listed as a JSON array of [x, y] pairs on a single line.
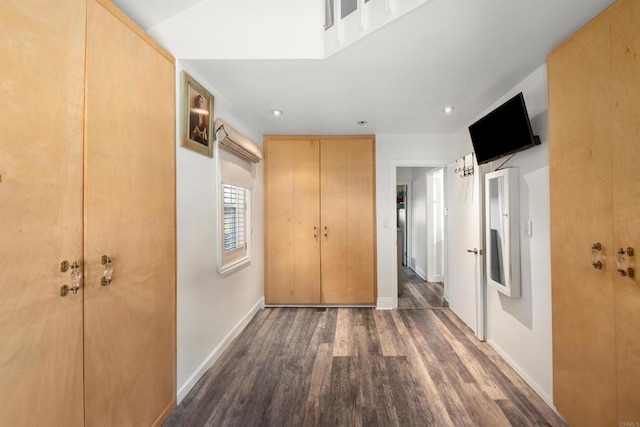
[[420, 237]]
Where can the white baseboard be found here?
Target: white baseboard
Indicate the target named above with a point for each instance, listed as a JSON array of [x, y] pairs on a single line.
[[435, 279], [385, 304], [420, 272], [534, 385], [217, 352]]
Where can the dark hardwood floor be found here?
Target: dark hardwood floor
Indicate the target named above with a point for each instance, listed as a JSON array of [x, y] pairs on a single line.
[[414, 292], [360, 367]]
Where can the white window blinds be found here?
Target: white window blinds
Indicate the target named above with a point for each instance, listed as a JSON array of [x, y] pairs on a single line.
[[234, 223]]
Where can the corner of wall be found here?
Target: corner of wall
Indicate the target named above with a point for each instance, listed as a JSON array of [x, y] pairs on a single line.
[[217, 352]]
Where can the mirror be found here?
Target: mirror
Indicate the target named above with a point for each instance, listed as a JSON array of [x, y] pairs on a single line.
[[502, 231]]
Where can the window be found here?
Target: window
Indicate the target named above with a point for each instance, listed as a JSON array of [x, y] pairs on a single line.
[[348, 6], [328, 14], [234, 223], [236, 158]]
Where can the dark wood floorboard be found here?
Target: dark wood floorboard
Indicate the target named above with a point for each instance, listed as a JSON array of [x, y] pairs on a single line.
[[414, 292], [360, 367]]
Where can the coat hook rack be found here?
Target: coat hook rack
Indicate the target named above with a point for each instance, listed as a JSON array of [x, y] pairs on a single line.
[[465, 170]]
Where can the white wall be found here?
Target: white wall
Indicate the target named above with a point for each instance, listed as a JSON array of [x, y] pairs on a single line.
[[404, 175], [236, 29], [393, 151], [211, 309], [520, 328], [371, 17]]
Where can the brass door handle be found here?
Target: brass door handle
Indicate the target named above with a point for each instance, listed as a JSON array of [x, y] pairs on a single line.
[[596, 261], [623, 263], [108, 270], [74, 278]]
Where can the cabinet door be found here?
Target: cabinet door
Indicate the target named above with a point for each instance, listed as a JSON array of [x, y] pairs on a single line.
[[130, 217], [347, 213], [584, 366], [292, 212], [625, 51], [41, 109]]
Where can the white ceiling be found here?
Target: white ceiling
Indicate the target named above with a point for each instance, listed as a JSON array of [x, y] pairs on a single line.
[[465, 53]]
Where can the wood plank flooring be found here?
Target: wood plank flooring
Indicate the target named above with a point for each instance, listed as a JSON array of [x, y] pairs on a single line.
[[416, 293], [360, 367]]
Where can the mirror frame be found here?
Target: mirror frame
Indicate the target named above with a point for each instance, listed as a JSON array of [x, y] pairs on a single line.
[[511, 238]]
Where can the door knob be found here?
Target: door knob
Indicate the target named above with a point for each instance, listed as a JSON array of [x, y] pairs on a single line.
[[476, 251], [108, 270]]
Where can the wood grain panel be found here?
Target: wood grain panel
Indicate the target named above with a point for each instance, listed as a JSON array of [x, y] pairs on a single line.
[[334, 214], [361, 274], [41, 111], [279, 214], [625, 53], [306, 223], [134, 28], [130, 216], [581, 215], [292, 210], [347, 211]]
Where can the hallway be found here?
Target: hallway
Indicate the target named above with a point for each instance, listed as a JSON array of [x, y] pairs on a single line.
[[414, 292]]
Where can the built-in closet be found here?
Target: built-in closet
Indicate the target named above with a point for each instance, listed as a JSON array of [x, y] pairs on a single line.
[[594, 126], [320, 220], [87, 183]]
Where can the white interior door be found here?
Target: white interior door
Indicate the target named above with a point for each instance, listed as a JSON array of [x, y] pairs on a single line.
[[435, 228], [465, 262]]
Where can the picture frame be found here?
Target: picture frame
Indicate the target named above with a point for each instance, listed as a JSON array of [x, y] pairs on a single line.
[[197, 116]]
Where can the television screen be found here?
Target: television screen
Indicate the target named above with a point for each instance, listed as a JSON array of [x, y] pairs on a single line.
[[503, 131]]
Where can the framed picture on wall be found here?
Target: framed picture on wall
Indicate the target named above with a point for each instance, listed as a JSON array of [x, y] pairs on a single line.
[[197, 116]]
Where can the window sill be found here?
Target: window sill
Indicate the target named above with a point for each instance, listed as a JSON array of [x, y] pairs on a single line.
[[234, 266]]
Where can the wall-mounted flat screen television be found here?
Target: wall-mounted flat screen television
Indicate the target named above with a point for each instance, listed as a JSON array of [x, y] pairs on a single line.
[[503, 131]]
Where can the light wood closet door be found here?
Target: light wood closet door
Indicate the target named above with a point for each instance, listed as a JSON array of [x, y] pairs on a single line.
[[41, 109], [347, 218], [293, 220], [580, 126], [130, 217], [625, 54]]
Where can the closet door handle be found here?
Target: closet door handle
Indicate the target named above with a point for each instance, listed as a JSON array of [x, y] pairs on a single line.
[[108, 270], [74, 278], [326, 231], [596, 261], [315, 231]]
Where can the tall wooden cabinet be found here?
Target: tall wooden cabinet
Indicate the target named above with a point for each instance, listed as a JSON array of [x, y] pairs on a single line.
[[87, 168], [594, 99], [320, 220], [41, 117]]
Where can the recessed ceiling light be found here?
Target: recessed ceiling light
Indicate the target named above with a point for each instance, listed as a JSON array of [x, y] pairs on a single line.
[[362, 122], [276, 112], [448, 109]]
